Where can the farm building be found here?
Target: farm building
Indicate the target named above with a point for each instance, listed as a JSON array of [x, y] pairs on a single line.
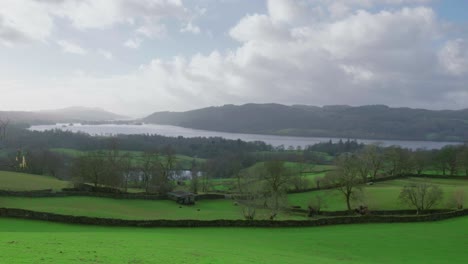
[[182, 197]]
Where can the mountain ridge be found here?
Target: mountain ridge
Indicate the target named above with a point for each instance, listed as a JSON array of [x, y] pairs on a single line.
[[63, 115], [368, 121]]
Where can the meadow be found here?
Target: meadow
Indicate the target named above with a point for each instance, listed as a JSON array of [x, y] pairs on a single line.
[[380, 195], [25, 241], [135, 209], [14, 181]]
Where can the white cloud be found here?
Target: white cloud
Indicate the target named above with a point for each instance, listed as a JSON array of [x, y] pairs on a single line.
[[152, 31], [23, 20], [335, 52], [285, 10], [191, 28], [34, 20], [70, 47], [105, 53], [454, 57], [133, 43]]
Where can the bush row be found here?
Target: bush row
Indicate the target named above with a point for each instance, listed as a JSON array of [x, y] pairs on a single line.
[[26, 214]]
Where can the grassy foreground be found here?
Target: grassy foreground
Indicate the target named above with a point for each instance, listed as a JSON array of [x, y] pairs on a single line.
[[23, 241]]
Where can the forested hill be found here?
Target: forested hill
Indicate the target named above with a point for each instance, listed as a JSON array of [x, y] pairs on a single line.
[[372, 122], [65, 115]]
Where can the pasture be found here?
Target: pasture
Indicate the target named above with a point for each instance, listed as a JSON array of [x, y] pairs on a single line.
[[135, 209], [381, 195], [25, 241], [14, 181]]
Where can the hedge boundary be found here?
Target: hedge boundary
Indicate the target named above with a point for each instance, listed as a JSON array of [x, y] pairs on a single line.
[[342, 220]]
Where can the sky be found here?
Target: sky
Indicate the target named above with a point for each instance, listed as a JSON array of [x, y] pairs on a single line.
[[135, 57]]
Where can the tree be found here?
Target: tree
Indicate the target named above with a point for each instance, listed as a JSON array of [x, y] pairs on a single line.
[[194, 181], [127, 169], [422, 196], [3, 128], [398, 160], [462, 159], [316, 204], [421, 160], [113, 170], [346, 177], [446, 159], [458, 199], [373, 155], [149, 166], [89, 168], [276, 179]]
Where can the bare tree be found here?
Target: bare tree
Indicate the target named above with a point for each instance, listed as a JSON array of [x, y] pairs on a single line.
[[458, 199], [316, 204], [421, 160], [126, 165], [149, 167], [374, 159], [90, 168], [346, 177], [276, 179], [164, 180], [422, 196]]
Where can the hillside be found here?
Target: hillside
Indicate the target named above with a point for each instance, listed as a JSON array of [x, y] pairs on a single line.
[[372, 121], [65, 115]]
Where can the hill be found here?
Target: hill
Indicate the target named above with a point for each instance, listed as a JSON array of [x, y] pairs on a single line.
[[371, 122], [65, 115]]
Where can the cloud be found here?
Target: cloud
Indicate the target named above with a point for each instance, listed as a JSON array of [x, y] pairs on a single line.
[[454, 57], [133, 43], [70, 47], [152, 31], [191, 28], [35, 20], [22, 21], [359, 53], [105, 53]]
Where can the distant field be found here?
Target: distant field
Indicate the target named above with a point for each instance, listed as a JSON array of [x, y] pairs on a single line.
[[26, 182], [185, 162], [381, 195], [134, 209], [23, 241]]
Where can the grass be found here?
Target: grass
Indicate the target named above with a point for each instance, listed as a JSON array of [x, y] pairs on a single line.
[[133, 209], [381, 195], [23, 241], [185, 162], [14, 181]]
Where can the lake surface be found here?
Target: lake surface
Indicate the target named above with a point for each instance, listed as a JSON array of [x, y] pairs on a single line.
[[174, 131]]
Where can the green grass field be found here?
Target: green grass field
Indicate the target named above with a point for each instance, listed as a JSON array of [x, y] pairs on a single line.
[[23, 241], [381, 195], [134, 209], [14, 181]]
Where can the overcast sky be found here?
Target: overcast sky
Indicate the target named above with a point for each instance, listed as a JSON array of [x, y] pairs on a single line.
[[135, 57]]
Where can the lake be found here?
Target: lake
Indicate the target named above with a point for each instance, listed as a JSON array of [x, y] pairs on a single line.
[[174, 131]]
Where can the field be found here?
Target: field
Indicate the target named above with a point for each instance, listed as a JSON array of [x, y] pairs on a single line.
[[14, 181], [185, 162], [23, 241], [381, 195], [133, 209]]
